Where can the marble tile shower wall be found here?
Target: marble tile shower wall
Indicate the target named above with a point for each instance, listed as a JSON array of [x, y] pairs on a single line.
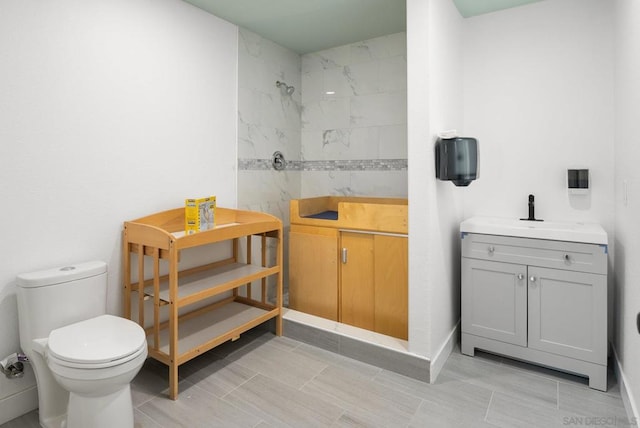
[[268, 121], [354, 119]]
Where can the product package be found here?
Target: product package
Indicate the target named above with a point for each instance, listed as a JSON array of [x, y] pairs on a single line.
[[199, 214]]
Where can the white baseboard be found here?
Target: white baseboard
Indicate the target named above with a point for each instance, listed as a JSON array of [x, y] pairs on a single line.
[[18, 396], [439, 360], [627, 395], [18, 404]]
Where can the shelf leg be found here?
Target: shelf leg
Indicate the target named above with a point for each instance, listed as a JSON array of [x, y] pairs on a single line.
[[173, 322], [279, 285], [126, 269], [173, 380]]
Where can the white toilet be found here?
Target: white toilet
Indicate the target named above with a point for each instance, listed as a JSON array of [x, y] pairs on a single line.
[[83, 358]]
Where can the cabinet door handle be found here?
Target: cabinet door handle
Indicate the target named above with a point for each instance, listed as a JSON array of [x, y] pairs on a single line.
[[520, 276], [344, 256], [491, 250], [532, 279], [567, 258]]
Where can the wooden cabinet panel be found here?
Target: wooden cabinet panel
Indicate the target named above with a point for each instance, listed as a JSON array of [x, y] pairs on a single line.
[[374, 283], [391, 303], [313, 271], [357, 280]]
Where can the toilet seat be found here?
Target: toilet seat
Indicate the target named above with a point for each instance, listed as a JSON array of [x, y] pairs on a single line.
[[99, 342]]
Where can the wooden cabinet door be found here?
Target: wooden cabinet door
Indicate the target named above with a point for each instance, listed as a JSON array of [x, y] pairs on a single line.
[[391, 260], [313, 271], [494, 300], [568, 313], [374, 282], [357, 280]]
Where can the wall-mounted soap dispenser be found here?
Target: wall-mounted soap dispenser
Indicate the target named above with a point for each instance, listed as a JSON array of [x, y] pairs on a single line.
[[578, 181], [457, 160]]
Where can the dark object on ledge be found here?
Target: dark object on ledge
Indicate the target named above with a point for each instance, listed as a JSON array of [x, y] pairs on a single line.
[[324, 215], [457, 160], [532, 213]]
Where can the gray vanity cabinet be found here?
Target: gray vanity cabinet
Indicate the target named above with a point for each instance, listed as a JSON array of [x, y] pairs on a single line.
[[494, 300], [537, 300]]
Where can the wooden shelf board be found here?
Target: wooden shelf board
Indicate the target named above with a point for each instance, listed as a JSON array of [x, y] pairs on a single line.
[[194, 332], [216, 280]]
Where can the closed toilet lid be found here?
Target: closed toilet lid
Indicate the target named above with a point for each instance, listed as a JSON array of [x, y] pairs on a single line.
[[97, 340]]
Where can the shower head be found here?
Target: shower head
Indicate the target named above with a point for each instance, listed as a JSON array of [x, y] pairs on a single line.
[[283, 86]]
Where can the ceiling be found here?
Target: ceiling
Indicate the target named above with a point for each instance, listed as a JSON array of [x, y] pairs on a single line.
[[470, 8], [312, 25]]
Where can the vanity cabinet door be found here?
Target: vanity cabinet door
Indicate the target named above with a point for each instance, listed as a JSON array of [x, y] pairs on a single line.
[[313, 271], [567, 313], [494, 300]]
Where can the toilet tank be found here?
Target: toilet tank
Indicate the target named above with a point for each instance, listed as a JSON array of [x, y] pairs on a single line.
[[53, 298]]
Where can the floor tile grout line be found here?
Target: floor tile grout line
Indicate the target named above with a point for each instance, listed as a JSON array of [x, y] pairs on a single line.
[[150, 417], [146, 401], [486, 414], [313, 377], [241, 384]]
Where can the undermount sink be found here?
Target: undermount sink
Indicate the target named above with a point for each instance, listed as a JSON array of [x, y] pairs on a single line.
[[590, 233]]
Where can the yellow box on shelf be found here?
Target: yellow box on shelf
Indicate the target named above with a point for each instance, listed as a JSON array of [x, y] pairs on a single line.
[[199, 214]]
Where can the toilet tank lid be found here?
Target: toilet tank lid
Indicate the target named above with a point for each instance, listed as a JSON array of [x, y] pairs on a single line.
[[61, 274]]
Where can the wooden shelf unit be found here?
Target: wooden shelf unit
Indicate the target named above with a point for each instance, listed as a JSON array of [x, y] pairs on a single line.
[[186, 334]]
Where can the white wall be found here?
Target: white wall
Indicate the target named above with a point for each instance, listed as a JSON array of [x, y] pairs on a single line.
[[538, 92], [537, 85], [445, 206], [109, 110], [420, 186], [627, 175], [434, 104]]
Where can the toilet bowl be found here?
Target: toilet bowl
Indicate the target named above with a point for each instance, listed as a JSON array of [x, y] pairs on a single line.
[[84, 359], [95, 360]]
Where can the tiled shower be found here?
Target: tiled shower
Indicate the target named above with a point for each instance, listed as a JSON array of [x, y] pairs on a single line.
[[343, 130]]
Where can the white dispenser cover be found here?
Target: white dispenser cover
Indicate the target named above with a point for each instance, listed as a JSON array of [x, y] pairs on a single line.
[[97, 340]]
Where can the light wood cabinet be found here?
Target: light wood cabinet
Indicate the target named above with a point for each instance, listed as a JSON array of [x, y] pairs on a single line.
[[350, 272], [374, 292], [193, 310], [313, 270], [538, 300], [391, 285], [357, 280]]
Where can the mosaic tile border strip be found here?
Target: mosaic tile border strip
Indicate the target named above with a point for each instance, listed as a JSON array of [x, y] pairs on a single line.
[[327, 165]]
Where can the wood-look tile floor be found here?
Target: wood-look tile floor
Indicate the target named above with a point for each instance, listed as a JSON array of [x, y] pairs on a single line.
[[263, 380]]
